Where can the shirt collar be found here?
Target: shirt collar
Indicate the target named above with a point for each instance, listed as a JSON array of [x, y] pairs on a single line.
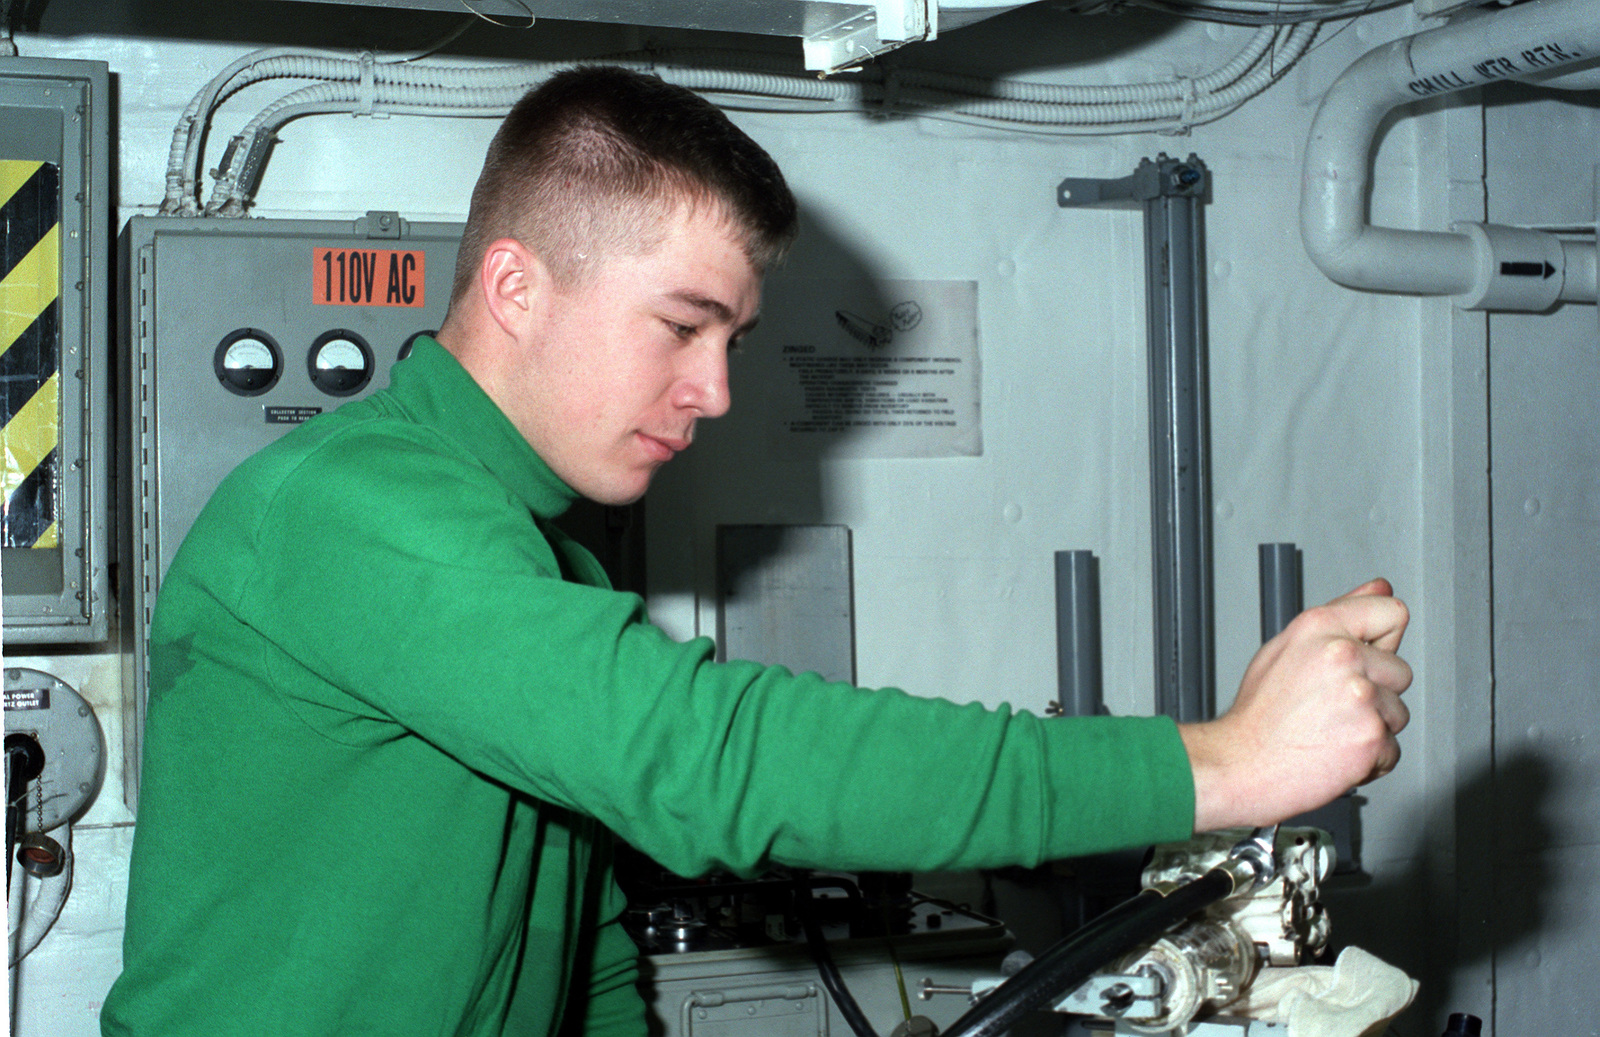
[[433, 387]]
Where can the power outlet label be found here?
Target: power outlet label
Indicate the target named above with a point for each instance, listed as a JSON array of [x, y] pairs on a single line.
[[368, 277]]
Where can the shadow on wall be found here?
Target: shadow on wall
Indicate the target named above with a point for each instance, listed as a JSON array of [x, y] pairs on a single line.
[[1422, 919], [735, 475], [1514, 95]]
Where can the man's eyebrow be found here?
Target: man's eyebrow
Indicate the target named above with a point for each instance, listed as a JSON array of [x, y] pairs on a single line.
[[716, 307]]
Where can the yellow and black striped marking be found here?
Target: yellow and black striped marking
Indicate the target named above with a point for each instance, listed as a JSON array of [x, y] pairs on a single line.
[[30, 351]]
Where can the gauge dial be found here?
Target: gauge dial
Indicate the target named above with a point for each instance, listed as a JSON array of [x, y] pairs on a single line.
[[340, 362], [248, 362], [411, 340]]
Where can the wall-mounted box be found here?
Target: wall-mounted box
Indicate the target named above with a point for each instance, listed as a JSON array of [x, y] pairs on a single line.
[[55, 286], [238, 331]]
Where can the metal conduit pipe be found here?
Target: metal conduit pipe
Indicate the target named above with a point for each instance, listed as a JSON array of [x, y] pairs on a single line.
[[1484, 266]]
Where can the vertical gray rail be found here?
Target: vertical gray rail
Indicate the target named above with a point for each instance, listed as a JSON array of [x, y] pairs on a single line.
[[1082, 691], [1282, 598], [1172, 194]]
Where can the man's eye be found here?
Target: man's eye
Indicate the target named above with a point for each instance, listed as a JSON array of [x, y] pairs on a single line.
[[681, 330]]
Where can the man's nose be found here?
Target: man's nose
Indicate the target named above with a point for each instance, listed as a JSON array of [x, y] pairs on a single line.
[[703, 385]]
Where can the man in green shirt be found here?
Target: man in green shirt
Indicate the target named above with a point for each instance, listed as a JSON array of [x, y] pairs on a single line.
[[395, 714]]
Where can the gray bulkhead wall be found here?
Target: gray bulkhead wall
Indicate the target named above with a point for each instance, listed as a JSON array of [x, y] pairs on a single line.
[[1543, 837], [1353, 424]]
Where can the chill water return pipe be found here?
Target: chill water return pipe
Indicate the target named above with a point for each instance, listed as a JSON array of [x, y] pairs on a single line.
[[1483, 266]]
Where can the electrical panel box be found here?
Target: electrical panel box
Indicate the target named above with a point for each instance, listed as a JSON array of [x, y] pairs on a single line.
[[239, 331], [55, 270]]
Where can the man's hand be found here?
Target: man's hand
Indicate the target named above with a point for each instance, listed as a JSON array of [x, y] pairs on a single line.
[[1316, 715]]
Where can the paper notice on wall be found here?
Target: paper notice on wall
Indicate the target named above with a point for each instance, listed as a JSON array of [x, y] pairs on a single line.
[[867, 368]]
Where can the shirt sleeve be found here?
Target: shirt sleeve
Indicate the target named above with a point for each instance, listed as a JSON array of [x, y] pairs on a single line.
[[418, 593]]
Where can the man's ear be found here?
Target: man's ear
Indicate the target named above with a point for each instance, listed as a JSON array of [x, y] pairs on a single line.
[[512, 280]]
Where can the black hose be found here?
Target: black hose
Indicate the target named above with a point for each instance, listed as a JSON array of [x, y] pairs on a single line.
[[1069, 964], [24, 762], [853, 1015]]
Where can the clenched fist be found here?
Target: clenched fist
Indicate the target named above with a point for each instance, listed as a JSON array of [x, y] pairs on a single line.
[[1317, 714]]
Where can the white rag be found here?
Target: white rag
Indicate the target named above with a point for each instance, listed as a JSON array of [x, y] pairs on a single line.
[[1354, 997]]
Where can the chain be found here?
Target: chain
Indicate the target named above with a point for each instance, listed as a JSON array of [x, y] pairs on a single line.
[[38, 800]]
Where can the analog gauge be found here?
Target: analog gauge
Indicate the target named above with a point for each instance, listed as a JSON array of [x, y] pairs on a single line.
[[405, 348], [340, 362], [248, 362]]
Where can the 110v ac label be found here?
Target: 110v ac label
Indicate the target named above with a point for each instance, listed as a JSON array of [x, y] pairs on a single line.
[[368, 277]]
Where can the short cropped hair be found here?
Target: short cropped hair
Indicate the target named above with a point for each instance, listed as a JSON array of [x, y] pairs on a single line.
[[589, 163]]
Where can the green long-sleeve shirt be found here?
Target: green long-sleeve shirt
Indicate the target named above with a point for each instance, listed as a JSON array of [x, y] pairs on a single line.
[[394, 716]]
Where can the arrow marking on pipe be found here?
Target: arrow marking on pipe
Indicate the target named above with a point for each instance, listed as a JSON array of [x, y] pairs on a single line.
[[1541, 270]]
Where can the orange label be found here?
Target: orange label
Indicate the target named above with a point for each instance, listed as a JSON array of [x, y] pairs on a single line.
[[367, 277]]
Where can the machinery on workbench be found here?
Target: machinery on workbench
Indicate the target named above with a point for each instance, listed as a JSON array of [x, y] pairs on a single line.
[[1218, 943]]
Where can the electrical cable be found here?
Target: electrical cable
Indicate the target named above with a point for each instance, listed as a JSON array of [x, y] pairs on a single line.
[[437, 45], [1264, 12], [41, 900], [1047, 108], [183, 164], [1177, 113], [826, 968], [504, 25], [24, 763], [365, 86], [187, 135], [1069, 964], [1051, 93]]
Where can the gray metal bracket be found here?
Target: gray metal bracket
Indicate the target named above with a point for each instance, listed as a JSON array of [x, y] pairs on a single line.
[[1138, 996], [1172, 194], [1153, 180], [379, 224]]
